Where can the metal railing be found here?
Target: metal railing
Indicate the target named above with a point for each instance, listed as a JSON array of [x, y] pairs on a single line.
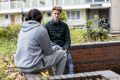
[[37, 4]]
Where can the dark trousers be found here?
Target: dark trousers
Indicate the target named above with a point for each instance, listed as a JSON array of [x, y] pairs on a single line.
[[69, 64]]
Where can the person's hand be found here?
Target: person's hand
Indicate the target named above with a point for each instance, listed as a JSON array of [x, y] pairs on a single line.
[[65, 50], [56, 47]]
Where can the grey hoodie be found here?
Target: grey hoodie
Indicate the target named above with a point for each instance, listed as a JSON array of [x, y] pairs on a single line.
[[33, 44]]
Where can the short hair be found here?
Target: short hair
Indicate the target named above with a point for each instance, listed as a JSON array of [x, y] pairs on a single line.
[[58, 8], [34, 14]]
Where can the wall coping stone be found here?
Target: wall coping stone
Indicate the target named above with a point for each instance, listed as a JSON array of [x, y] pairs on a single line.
[[95, 44]]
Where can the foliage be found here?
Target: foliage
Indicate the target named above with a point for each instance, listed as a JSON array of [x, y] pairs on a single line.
[[44, 20], [4, 64], [7, 46], [9, 32], [8, 37], [97, 33], [77, 35], [7, 68], [63, 16]]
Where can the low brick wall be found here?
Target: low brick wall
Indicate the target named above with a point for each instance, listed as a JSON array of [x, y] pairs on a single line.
[[96, 56]]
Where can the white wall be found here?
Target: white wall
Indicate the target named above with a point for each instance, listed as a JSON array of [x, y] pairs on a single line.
[[115, 16]]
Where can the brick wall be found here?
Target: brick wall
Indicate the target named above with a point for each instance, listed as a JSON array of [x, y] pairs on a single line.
[[96, 56]]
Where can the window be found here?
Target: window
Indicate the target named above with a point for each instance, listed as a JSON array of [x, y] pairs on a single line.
[[67, 2], [6, 16], [88, 1], [0, 5], [49, 14], [12, 17], [12, 5], [68, 15], [49, 2], [12, 0], [73, 15], [99, 0], [108, 0], [76, 2], [34, 3], [26, 3], [5, 0], [19, 4], [59, 2], [5, 5], [78, 14]]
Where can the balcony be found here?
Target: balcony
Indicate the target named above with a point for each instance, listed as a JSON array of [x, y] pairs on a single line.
[[4, 5], [83, 4], [46, 5], [17, 5], [78, 2]]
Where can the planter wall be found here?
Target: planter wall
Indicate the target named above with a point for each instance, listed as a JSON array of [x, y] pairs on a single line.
[[96, 56]]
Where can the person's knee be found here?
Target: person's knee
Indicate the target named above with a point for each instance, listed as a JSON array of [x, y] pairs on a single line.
[[62, 53]]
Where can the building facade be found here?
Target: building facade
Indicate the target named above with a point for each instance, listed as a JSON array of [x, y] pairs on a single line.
[[115, 16], [78, 11]]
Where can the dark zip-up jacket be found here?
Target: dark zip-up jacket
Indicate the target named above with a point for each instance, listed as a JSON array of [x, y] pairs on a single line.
[[59, 33]]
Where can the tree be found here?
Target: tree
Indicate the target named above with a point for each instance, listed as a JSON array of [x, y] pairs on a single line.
[[63, 16]]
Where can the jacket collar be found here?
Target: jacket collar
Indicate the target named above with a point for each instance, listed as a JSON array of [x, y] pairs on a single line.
[[55, 23]]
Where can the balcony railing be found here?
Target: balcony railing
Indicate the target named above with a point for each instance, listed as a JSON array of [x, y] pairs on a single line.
[[8, 5], [16, 4], [25, 4], [78, 2]]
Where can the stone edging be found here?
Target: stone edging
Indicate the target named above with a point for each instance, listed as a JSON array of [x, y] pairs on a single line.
[[95, 44]]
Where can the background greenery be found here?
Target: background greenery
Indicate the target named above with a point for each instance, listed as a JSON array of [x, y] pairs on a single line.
[[8, 37]]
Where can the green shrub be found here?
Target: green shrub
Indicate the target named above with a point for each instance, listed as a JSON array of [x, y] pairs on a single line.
[[7, 46], [44, 20], [98, 33], [77, 35], [9, 32], [63, 16]]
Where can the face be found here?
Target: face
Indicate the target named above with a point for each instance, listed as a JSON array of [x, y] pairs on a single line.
[[56, 15]]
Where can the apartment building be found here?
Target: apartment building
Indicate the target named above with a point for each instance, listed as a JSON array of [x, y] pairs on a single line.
[[115, 16], [78, 11]]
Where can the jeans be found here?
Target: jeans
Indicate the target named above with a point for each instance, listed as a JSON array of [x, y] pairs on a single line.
[[69, 64]]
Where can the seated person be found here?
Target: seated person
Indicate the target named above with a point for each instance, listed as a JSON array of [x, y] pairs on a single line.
[[34, 50], [60, 35]]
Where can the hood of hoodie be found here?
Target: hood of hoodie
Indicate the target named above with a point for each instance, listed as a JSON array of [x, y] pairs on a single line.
[[28, 25]]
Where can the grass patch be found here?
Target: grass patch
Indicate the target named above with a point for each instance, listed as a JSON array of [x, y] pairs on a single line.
[[7, 46]]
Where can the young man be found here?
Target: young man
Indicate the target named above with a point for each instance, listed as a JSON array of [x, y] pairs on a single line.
[[60, 35], [34, 51]]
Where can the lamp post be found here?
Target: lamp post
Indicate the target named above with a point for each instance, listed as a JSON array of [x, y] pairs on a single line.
[[22, 15]]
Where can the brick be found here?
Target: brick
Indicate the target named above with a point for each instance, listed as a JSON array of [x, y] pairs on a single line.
[[96, 58]]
